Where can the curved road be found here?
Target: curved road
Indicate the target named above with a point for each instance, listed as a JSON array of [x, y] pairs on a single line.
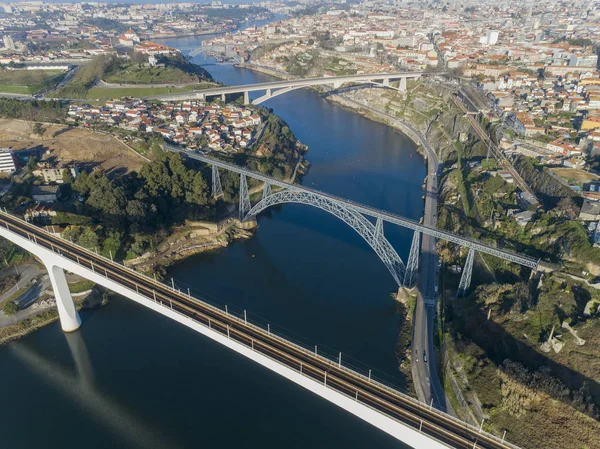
[[425, 377]]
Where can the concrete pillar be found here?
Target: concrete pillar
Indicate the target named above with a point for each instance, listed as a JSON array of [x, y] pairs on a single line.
[[69, 318], [269, 94], [246, 98], [337, 85], [223, 98], [402, 84], [386, 82]]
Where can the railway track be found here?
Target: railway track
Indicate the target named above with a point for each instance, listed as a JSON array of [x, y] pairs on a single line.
[[361, 388]]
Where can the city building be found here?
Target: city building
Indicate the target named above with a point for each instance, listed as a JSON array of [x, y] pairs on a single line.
[[7, 161], [9, 44]]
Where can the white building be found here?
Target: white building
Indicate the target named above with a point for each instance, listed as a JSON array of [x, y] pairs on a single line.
[[7, 161], [583, 60], [490, 38], [9, 44]]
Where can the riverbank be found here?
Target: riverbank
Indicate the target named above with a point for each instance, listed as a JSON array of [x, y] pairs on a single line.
[[195, 237], [352, 105], [88, 301]]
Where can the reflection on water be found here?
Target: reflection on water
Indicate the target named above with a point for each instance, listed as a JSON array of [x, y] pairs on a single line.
[[130, 378], [79, 387]]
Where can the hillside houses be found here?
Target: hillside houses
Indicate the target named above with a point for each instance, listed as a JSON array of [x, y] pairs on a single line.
[[192, 123]]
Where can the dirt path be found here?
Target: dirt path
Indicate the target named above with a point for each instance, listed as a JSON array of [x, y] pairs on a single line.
[[65, 144]]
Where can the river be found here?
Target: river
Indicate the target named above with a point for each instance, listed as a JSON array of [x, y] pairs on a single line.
[[130, 378]]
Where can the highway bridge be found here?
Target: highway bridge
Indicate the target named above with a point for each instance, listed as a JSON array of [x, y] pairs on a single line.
[[416, 424], [275, 88], [353, 214]]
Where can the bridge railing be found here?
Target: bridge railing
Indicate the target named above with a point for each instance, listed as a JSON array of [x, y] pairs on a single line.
[[373, 212], [244, 321]]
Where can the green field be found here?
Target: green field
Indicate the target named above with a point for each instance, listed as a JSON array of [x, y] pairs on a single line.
[[101, 93], [131, 73], [28, 81]]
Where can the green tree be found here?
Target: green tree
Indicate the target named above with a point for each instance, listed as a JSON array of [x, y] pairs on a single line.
[[31, 163], [81, 184], [10, 307], [67, 176], [39, 129], [88, 239], [199, 190]]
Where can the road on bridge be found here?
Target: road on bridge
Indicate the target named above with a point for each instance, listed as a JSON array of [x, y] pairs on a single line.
[[332, 374], [300, 82]]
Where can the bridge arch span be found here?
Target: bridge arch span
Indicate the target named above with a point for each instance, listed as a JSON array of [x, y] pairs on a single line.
[[355, 220]]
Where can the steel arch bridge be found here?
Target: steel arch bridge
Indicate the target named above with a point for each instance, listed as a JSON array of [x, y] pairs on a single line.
[[356, 216], [373, 234]]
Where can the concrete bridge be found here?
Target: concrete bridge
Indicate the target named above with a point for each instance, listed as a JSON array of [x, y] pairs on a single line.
[[416, 424], [359, 217], [275, 88]]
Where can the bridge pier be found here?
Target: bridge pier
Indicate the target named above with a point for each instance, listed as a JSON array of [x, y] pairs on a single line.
[[223, 98], [69, 318], [412, 265], [245, 205], [217, 190], [402, 86], [386, 82], [266, 190], [246, 98], [467, 271]]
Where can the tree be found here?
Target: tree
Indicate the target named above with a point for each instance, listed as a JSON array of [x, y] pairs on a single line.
[[81, 184], [88, 239], [31, 163], [67, 176], [10, 307], [199, 191], [39, 129]]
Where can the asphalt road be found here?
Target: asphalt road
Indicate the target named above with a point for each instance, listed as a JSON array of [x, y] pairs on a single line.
[[425, 376], [424, 370]]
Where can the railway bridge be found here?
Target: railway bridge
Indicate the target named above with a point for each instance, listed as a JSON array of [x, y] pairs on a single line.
[[417, 424]]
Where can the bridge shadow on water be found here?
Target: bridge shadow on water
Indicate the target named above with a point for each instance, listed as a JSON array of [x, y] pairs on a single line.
[[80, 388]]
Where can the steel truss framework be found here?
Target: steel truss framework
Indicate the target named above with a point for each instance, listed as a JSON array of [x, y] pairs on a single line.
[[217, 190], [374, 213], [412, 266], [372, 234], [245, 205], [465, 279]]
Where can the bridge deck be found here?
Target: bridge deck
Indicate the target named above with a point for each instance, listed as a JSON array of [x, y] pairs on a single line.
[[302, 82], [373, 212], [385, 400]]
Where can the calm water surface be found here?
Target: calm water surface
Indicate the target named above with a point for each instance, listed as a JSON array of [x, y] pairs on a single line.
[[130, 378]]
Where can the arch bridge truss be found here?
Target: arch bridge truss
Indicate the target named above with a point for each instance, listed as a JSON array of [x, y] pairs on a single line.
[[354, 215]]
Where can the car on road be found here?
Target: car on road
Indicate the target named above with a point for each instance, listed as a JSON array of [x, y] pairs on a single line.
[[424, 357]]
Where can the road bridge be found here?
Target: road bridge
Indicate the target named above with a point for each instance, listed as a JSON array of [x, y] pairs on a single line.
[[275, 88], [416, 424], [354, 214]]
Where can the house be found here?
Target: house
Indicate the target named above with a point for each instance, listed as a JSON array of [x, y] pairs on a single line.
[[590, 211], [40, 212], [56, 174], [45, 194], [523, 217], [7, 160]]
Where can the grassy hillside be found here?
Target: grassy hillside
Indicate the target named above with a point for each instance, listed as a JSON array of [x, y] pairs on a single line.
[[28, 81], [173, 70]]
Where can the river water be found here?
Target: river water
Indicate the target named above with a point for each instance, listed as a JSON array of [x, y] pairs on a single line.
[[132, 379]]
